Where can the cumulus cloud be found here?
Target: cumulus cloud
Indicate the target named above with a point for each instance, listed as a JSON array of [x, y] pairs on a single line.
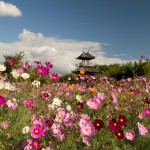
[[7, 9], [61, 52]]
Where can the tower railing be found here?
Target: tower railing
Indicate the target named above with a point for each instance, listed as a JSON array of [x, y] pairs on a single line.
[[81, 64]]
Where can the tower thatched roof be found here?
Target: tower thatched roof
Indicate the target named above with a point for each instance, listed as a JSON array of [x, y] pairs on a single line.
[[85, 56]]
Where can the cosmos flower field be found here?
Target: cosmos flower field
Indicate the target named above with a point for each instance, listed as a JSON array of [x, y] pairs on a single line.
[[93, 113]]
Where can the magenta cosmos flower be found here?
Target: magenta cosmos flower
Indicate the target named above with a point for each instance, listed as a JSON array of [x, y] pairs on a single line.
[[36, 131], [48, 65], [11, 62], [35, 144], [42, 70], [2, 100], [55, 76], [130, 135], [147, 112]]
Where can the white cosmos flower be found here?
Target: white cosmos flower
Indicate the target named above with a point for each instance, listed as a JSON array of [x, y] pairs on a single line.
[[69, 78], [2, 84], [15, 73], [26, 130], [68, 107], [56, 102], [2, 67], [25, 75], [36, 83], [79, 98], [8, 86]]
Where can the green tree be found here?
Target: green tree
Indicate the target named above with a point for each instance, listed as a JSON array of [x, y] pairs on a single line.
[[17, 58]]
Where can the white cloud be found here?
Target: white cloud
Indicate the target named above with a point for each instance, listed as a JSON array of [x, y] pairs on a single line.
[[7, 9], [61, 52]]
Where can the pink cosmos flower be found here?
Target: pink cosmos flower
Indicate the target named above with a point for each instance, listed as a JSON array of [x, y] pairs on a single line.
[[142, 129], [20, 70], [67, 94], [82, 122], [26, 65], [100, 96], [4, 124], [114, 98], [93, 104], [33, 117], [12, 104], [62, 137], [68, 121], [40, 121], [4, 78], [28, 144], [28, 102], [87, 129], [42, 70], [2, 100], [36, 131], [141, 115], [77, 78], [86, 140], [130, 135], [61, 113], [56, 128], [147, 112], [86, 116], [117, 107]]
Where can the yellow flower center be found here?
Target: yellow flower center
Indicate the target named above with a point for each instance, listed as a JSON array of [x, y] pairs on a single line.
[[36, 131], [121, 120], [119, 134], [129, 134], [82, 122], [98, 124], [115, 124], [87, 129], [91, 104]]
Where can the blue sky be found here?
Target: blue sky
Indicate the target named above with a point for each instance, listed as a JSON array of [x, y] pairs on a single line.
[[118, 30]]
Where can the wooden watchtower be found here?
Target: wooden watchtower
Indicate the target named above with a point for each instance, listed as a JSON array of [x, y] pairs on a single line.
[[85, 64]]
